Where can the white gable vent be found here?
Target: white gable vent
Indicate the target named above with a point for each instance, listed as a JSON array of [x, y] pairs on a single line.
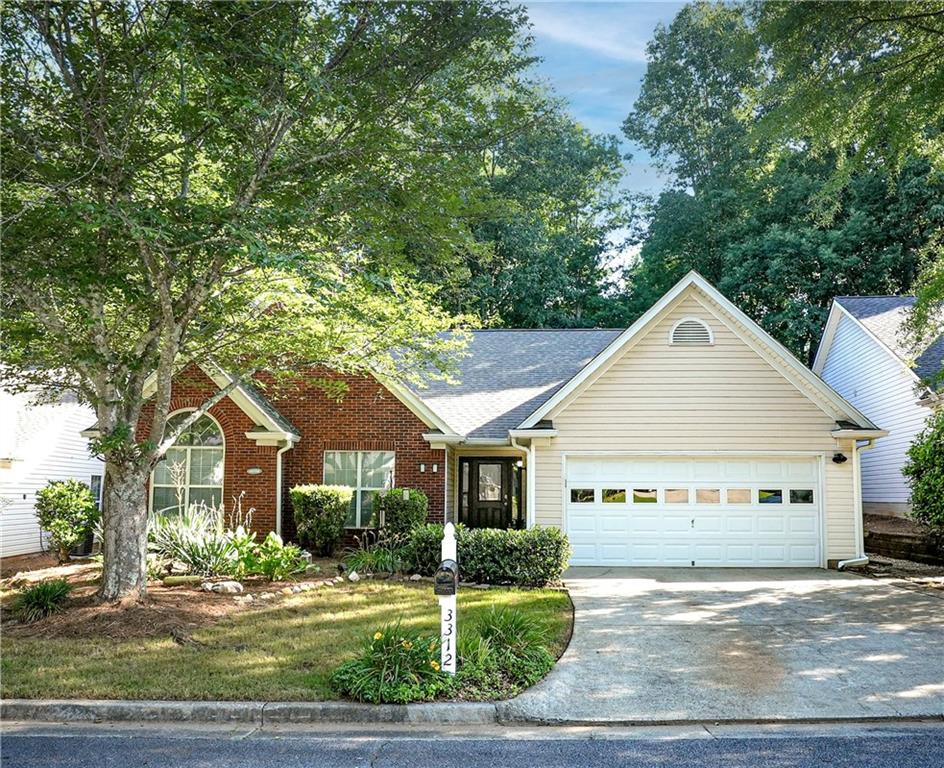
[[690, 331]]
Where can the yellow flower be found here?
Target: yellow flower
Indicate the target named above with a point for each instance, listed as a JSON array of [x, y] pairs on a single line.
[[378, 635], [434, 665], [407, 644]]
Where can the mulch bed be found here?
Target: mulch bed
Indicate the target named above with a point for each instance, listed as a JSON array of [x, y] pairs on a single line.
[[167, 611], [889, 524]]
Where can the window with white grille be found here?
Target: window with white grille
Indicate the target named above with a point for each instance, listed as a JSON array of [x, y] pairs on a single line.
[[691, 331]]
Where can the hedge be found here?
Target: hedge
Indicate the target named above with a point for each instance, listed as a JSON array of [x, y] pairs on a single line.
[[402, 510], [320, 513], [925, 472], [533, 557]]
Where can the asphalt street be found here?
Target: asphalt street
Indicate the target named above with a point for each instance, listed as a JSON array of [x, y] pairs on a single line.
[[908, 745]]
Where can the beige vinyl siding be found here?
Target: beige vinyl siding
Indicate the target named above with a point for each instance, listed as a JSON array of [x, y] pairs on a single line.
[[662, 398]]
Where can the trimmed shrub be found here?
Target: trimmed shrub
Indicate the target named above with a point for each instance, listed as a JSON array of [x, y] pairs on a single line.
[[395, 666], [320, 513], [41, 600], [925, 473], [532, 558], [402, 510], [66, 510]]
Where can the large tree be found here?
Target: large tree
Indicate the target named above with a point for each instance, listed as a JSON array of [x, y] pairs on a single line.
[[254, 183], [746, 210], [862, 82], [550, 201]]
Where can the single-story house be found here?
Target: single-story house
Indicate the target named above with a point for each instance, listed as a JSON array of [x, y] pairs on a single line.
[[39, 443], [863, 355], [691, 438]]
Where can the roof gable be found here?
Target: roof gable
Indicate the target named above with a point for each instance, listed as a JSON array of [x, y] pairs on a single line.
[[753, 335], [883, 318]]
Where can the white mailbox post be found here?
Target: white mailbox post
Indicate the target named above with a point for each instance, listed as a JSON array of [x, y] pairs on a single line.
[[446, 591]]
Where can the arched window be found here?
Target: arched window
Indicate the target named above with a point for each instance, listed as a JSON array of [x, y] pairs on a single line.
[[691, 331], [192, 471]]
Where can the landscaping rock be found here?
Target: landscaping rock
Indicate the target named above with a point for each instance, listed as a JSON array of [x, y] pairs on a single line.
[[286, 590], [296, 589], [416, 577], [222, 587], [354, 576], [266, 596]]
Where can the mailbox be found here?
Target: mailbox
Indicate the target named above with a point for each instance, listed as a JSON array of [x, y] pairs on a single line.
[[446, 579]]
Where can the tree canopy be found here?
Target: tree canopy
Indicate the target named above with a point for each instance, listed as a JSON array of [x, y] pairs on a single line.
[[255, 183]]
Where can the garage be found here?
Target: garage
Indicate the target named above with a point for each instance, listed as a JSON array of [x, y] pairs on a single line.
[[694, 511]]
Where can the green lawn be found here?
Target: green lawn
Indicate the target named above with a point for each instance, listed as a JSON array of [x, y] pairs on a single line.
[[286, 652]]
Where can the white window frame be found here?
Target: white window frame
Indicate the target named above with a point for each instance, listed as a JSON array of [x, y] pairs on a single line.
[[101, 489], [358, 489], [188, 449]]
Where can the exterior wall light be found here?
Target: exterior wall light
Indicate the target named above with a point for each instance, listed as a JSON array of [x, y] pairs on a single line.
[[839, 458], [254, 471]]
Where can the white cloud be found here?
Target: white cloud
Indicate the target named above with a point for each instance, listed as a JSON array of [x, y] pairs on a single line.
[[603, 34]]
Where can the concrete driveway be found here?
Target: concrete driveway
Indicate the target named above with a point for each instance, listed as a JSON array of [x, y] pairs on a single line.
[[664, 645]]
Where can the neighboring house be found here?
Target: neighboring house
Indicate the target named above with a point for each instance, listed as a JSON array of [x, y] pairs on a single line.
[[691, 438], [38, 444], [863, 356]]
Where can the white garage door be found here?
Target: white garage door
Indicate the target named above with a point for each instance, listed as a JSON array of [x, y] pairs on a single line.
[[693, 512]]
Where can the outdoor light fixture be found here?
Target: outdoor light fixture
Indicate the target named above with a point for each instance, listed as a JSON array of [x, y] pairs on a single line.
[[254, 471], [435, 468], [422, 467], [839, 458], [519, 463]]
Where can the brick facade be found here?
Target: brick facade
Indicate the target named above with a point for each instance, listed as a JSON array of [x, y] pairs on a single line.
[[369, 417]]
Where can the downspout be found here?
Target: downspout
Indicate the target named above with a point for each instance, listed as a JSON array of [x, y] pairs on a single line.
[[529, 484], [861, 558], [278, 486]]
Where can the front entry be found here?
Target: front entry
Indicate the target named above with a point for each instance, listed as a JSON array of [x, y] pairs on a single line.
[[490, 493]]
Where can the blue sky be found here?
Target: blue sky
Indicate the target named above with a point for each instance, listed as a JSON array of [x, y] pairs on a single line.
[[594, 56]]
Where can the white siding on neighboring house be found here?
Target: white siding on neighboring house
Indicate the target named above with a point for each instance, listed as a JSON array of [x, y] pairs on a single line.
[[38, 445], [864, 373]]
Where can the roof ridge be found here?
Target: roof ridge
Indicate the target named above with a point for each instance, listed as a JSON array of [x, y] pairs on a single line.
[[877, 296], [540, 330]]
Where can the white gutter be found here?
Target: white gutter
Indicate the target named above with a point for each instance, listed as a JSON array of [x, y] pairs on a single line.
[[278, 486], [529, 488], [861, 558]]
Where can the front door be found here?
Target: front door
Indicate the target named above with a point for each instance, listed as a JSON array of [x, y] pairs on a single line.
[[489, 493]]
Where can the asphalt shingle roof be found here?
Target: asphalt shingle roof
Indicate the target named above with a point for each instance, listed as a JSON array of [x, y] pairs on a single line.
[[507, 374], [884, 316]]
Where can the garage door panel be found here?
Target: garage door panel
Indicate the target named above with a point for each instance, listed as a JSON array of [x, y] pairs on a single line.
[[707, 511]]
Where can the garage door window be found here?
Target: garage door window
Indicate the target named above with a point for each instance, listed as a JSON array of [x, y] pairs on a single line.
[[801, 496], [614, 495], [770, 496], [676, 495], [708, 496], [739, 495], [581, 495], [644, 496]]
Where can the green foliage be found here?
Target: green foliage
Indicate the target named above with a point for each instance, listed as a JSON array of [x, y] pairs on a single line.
[[551, 204], [277, 561], [532, 557], [401, 509], [748, 209], [41, 600], [197, 539], [320, 513], [381, 555], [66, 510], [498, 656], [396, 666], [925, 472]]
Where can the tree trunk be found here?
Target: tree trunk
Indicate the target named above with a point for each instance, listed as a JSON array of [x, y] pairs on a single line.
[[124, 575]]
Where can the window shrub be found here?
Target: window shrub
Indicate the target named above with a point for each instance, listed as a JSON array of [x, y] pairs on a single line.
[[925, 472], [395, 666], [320, 512], [41, 600], [66, 510], [533, 557], [401, 510]]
